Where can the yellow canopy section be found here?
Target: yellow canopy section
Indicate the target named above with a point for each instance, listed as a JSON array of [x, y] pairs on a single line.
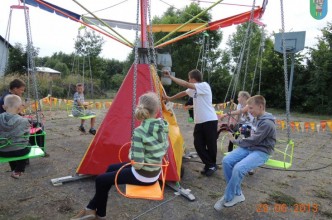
[[172, 27]]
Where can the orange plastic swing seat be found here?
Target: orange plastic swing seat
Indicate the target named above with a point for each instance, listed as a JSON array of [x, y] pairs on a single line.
[[152, 192]]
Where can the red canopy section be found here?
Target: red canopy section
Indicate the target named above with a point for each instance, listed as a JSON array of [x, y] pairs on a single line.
[[115, 129], [236, 19]]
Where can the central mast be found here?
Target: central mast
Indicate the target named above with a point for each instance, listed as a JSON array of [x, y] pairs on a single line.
[[144, 40]]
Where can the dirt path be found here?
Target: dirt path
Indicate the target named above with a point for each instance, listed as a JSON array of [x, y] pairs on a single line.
[[309, 194]]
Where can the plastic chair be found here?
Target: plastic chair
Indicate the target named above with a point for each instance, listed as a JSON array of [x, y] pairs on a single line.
[[69, 106], [35, 151], [287, 161], [152, 192]]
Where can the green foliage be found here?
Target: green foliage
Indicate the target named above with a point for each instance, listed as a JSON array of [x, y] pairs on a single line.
[[17, 61], [185, 53], [89, 44], [116, 81], [319, 70]]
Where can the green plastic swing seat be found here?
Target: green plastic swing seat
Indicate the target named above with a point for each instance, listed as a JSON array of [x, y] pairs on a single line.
[[34, 152], [287, 161], [83, 117], [69, 106]]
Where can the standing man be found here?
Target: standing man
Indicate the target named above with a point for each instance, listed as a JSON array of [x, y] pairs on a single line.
[[16, 87], [205, 117]]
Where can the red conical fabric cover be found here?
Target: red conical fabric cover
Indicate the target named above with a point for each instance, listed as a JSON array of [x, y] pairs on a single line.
[[115, 130]]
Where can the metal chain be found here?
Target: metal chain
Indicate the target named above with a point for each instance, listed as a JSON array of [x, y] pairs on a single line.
[[200, 51], [258, 60], [31, 62], [260, 64], [285, 69], [247, 59], [148, 46], [229, 87], [90, 69], [135, 72], [152, 39], [5, 54], [239, 67], [208, 67], [154, 75]]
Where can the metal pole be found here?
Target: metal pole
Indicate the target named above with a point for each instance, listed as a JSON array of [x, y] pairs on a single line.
[[291, 78], [144, 6]]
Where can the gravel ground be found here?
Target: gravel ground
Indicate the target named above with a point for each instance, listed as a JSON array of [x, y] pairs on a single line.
[[270, 194]]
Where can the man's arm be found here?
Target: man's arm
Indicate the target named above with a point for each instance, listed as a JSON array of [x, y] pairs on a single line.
[[176, 96], [180, 82]]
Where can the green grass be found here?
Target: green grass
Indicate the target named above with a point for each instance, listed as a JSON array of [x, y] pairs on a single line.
[[281, 198]]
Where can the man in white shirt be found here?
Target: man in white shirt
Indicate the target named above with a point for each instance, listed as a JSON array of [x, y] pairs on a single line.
[[205, 118]]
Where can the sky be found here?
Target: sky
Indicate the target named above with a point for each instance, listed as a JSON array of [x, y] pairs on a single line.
[[52, 33]]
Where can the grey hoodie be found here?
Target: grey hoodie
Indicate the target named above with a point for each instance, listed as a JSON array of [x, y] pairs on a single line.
[[264, 138], [14, 127]]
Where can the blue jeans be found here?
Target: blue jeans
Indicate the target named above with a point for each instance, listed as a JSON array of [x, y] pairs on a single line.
[[236, 165]]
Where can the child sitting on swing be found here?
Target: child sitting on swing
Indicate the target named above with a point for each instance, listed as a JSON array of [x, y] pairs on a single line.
[[149, 145], [80, 109], [16, 129]]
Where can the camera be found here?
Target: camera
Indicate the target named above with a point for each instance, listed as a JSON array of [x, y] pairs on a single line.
[[246, 130]]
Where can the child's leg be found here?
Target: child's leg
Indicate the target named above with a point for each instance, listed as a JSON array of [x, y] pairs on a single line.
[[20, 165], [103, 184], [240, 169], [12, 165], [93, 120]]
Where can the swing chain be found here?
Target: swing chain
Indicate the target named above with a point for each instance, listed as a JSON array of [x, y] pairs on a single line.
[[135, 72], [258, 59], [31, 62], [154, 74], [285, 69], [148, 44], [250, 23]]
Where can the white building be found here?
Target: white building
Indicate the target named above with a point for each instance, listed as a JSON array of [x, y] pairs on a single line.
[[4, 53]]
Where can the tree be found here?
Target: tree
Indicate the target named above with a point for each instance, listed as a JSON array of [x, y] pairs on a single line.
[[89, 44], [320, 68], [185, 52], [17, 61], [244, 45]]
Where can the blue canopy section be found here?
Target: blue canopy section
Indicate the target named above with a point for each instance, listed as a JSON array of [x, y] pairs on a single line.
[[41, 6]]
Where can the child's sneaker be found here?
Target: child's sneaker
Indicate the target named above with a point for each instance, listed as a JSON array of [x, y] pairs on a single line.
[[81, 128], [16, 175], [92, 131], [219, 204], [211, 170], [85, 215]]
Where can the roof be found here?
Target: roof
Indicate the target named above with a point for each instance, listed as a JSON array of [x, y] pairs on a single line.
[[47, 70], [5, 41]]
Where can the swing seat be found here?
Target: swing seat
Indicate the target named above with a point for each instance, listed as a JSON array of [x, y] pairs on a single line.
[[83, 117], [282, 164], [34, 153], [69, 106], [152, 192], [37, 147], [278, 164], [287, 161]]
